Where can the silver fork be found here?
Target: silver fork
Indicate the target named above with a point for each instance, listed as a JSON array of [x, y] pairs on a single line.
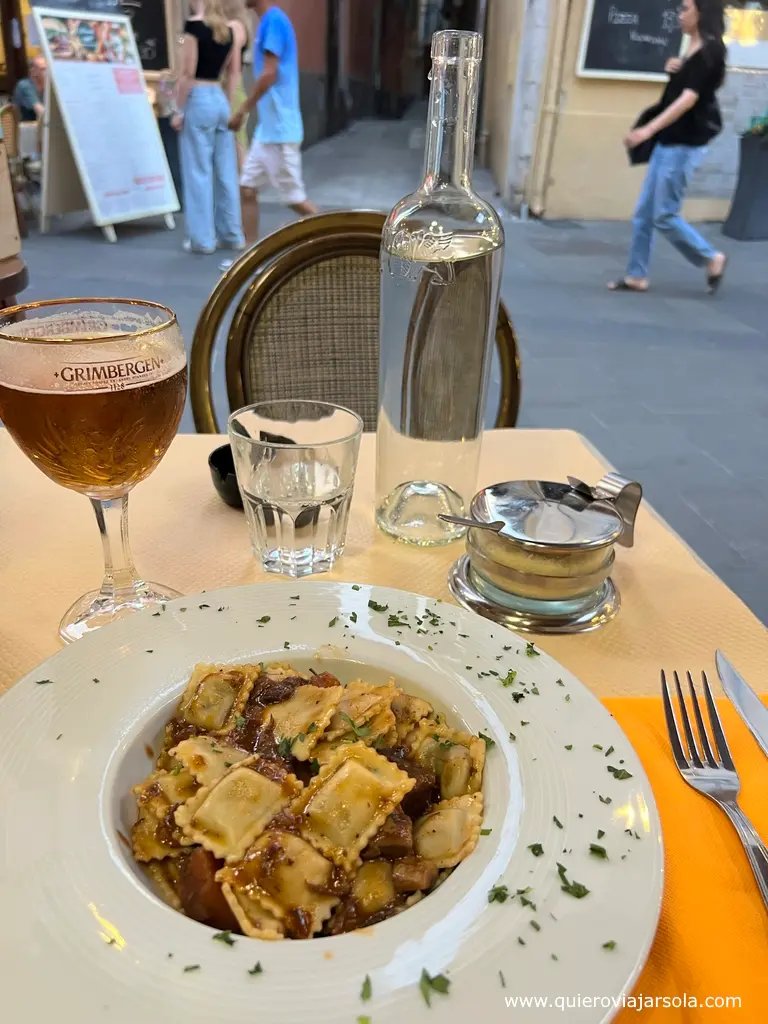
[[715, 778]]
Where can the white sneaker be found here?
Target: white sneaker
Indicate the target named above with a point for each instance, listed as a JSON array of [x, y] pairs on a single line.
[[187, 246], [225, 265]]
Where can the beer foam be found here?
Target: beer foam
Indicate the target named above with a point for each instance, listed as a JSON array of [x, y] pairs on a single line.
[[118, 364]]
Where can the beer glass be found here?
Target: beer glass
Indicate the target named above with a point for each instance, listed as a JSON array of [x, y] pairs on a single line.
[[92, 390]]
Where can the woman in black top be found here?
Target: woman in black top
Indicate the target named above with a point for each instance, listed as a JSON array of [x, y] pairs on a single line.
[[686, 120], [212, 52]]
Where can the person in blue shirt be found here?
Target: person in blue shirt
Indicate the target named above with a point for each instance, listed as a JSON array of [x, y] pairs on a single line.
[[29, 93], [275, 154]]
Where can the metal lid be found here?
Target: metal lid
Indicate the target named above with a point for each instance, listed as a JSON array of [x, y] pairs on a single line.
[[540, 514]]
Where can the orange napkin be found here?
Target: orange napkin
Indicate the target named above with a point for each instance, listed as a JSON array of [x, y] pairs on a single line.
[[712, 939]]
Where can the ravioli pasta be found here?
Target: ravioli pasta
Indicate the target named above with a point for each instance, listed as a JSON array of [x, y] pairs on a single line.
[[285, 805]]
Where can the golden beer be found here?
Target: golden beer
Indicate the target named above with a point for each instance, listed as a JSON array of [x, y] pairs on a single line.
[[100, 443]]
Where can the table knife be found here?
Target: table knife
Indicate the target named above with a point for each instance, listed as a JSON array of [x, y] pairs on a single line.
[[745, 700]]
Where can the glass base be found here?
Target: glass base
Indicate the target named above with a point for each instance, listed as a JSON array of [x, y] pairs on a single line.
[[96, 609], [410, 513]]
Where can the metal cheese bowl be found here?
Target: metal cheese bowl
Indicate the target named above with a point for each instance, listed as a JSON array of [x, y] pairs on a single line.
[[545, 565]]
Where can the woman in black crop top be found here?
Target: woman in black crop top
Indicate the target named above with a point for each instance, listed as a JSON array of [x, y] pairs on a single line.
[[211, 52], [683, 123]]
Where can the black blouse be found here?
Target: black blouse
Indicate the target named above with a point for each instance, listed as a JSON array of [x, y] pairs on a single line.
[[211, 56], [703, 72]]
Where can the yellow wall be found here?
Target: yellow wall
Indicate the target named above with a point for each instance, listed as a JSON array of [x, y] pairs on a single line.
[[590, 177], [502, 42]]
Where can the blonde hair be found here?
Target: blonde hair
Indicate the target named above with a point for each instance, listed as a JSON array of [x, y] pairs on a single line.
[[214, 16], [235, 10]]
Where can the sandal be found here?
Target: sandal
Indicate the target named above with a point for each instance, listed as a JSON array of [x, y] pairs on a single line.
[[715, 280], [623, 285]]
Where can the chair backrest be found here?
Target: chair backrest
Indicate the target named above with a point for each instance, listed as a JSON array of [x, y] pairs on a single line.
[[306, 325], [9, 121]]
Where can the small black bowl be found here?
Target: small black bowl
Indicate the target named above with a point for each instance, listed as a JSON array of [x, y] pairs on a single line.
[[224, 477]]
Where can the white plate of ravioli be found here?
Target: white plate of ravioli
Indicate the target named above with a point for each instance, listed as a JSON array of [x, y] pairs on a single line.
[[318, 802]]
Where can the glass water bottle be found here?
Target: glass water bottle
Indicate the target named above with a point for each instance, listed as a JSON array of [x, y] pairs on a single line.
[[441, 260]]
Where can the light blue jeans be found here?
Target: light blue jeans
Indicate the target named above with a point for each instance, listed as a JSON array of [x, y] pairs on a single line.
[[669, 173], [209, 171]]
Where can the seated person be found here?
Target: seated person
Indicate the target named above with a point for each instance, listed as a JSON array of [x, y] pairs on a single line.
[[30, 92]]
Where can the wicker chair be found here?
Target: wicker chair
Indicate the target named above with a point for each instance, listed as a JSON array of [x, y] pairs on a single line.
[[306, 322], [10, 119]]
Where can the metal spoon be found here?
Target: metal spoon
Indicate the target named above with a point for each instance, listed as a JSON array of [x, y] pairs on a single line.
[[475, 524]]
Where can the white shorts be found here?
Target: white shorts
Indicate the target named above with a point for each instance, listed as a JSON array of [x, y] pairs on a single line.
[[277, 164]]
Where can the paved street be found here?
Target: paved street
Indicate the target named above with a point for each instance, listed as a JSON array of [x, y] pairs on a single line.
[[672, 386]]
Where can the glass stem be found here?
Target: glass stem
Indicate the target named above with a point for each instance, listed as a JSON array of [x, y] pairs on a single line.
[[120, 576]]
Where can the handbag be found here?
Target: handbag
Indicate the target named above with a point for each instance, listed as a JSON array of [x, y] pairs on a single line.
[[641, 154]]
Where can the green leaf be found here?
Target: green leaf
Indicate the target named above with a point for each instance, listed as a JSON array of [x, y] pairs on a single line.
[[239, 721], [598, 851], [524, 723], [256, 969], [191, 967], [569, 746], [425, 988], [395, 620], [355, 586], [363, 1019], [489, 743], [535, 925], [524, 901], [485, 831], [509, 678], [575, 889], [604, 799], [536, 849], [610, 944], [557, 821], [225, 937], [353, 616], [428, 985], [358, 730], [314, 766], [531, 651], [334, 620], [43, 682], [440, 984], [619, 773], [609, 751], [600, 833], [596, 746], [176, 770], [560, 682], [284, 746], [376, 607], [264, 619], [498, 894], [513, 737], [366, 991]]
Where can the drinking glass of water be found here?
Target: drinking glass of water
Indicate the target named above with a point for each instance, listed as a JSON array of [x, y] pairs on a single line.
[[295, 462]]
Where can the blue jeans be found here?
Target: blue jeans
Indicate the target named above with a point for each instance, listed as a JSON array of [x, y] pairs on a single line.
[[669, 174], [209, 171]]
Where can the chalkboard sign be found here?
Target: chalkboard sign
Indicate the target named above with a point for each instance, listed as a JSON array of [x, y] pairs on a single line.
[[150, 25], [629, 38]]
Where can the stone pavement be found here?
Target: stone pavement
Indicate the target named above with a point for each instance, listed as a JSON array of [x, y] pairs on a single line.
[[672, 386]]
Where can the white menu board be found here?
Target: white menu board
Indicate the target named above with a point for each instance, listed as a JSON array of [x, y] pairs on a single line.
[[98, 91]]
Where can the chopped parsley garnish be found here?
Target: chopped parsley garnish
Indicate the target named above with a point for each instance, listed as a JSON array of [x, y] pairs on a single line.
[[531, 651], [43, 682], [600, 833], [150, 652], [507, 648], [286, 644], [295, 597], [201, 606], [609, 751], [536, 849], [96, 680], [498, 894], [610, 944], [517, 696], [567, 697], [619, 773], [376, 607], [502, 980], [395, 620], [489, 743], [312, 728], [60, 735], [558, 822], [428, 985], [176, 770], [363, 1020], [239, 721], [524, 723], [521, 942], [535, 925], [353, 616], [598, 851], [604, 799], [355, 586], [509, 678], [569, 746], [264, 619], [284, 746], [191, 967], [575, 889], [485, 831], [596, 746], [334, 620], [358, 730], [524, 901], [560, 682], [366, 991], [225, 937], [513, 737], [314, 766], [256, 969]]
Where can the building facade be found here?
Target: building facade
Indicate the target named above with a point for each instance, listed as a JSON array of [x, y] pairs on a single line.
[[555, 133]]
